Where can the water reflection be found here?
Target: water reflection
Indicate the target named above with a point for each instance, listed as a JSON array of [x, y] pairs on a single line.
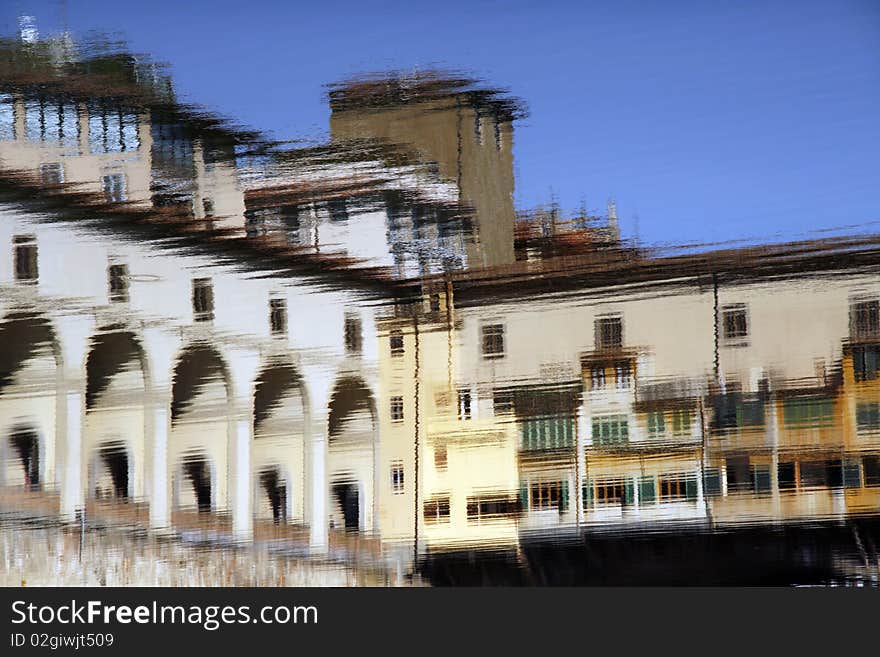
[[359, 352]]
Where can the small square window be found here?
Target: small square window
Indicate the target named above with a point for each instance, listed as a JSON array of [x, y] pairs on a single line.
[[735, 324], [609, 332], [52, 173], [440, 457], [396, 409], [493, 340]]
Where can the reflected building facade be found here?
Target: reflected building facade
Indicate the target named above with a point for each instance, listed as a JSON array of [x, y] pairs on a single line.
[[357, 350]]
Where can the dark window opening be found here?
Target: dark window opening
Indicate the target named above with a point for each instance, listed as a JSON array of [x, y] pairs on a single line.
[[117, 282], [609, 332], [735, 323], [396, 409], [26, 258], [353, 334], [278, 316], [203, 300], [493, 340], [395, 342], [437, 510], [27, 449]]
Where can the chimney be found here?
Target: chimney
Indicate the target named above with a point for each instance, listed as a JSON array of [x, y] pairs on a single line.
[[613, 225]]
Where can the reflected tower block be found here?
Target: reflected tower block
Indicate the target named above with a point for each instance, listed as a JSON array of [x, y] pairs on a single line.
[[461, 132]]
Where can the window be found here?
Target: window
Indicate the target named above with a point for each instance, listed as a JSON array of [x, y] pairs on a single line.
[[544, 433], [871, 465], [493, 340], [786, 475], [112, 130], [441, 457], [278, 316], [434, 300], [52, 174], [203, 300], [395, 342], [25, 258], [478, 128], [647, 491], [735, 324], [464, 404], [597, 377], [614, 491], [353, 334], [397, 409], [733, 410], [609, 332], [491, 507], [437, 509], [761, 479], [868, 416], [51, 121], [852, 473], [808, 411], [397, 478], [498, 135], [117, 282], [864, 319], [623, 374], [656, 423], [502, 402], [113, 186], [866, 362], [610, 430], [681, 421], [677, 487], [337, 210], [208, 207], [549, 495]]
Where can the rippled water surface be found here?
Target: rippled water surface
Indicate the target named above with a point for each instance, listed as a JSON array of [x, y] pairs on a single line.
[[226, 360]]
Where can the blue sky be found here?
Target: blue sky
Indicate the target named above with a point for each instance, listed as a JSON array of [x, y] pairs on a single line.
[[709, 121]]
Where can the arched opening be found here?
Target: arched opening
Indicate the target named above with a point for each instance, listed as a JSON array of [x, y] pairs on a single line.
[[281, 418], [111, 477], [351, 455], [198, 489], [200, 372], [25, 444], [199, 442], [116, 384], [275, 489], [29, 358], [24, 336], [113, 354]]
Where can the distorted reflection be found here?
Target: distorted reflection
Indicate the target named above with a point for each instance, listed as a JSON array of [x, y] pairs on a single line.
[[360, 354]]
